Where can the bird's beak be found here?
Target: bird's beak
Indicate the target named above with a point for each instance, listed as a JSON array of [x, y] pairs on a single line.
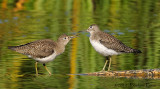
[[74, 36], [71, 37], [78, 33], [87, 30], [83, 31]]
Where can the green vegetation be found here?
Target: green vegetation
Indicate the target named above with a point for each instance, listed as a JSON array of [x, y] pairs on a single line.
[[135, 22]]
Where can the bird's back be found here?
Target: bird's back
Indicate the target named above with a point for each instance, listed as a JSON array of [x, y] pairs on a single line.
[[113, 43], [36, 49]]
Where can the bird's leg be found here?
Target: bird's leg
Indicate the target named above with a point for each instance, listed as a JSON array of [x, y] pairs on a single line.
[[105, 64], [36, 68], [109, 63], [47, 69]]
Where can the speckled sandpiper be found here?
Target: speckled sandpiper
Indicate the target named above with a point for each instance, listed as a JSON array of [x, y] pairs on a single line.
[[43, 51], [107, 45]]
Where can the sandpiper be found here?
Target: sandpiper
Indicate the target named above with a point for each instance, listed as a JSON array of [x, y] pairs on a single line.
[[107, 45], [43, 51]]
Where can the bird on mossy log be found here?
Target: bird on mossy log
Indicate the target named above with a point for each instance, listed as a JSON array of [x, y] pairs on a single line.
[[107, 45]]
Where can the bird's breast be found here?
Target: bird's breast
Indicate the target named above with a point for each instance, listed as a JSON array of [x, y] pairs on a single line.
[[102, 49], [60, 50], [46, 59]]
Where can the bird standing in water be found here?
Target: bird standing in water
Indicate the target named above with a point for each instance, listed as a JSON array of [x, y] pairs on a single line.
[[43, 51], [107, 45]]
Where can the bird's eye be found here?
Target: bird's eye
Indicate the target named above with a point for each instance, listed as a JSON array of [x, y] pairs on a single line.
[[90, 26], [65, 38]]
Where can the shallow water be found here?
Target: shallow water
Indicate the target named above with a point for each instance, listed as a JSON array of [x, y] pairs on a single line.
[[135, 23]]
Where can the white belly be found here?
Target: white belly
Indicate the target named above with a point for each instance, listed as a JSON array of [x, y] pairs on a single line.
[[102, 49], [46, 59]]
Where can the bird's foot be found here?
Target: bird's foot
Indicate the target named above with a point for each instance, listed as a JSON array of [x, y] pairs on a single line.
[[50, 74], [109, 69], [102, 71], [36, 74]]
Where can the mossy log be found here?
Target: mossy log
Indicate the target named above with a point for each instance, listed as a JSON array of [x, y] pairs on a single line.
[[144, 73]]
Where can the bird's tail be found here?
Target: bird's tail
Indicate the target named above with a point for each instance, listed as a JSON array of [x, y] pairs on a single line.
[[136, 51], [12, 47]]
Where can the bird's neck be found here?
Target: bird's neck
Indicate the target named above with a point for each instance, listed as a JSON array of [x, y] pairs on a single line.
[[60, 43], [93, 36], [60, 47]]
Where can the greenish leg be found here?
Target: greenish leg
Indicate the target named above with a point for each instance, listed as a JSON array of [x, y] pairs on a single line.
[[105, 65], [47, 69], [36, 68], [109, 63]]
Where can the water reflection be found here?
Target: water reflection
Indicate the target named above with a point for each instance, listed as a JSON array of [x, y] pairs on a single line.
[[135, 23]]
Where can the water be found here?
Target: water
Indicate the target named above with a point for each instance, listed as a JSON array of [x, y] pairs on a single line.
[[135, 23]]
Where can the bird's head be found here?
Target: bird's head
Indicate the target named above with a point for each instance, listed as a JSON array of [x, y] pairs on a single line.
[[93, 28], [64, 39]]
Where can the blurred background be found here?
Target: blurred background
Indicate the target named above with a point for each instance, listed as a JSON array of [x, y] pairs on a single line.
[[135, 22]]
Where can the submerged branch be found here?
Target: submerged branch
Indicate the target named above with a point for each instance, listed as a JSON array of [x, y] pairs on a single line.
[[144, 73]]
